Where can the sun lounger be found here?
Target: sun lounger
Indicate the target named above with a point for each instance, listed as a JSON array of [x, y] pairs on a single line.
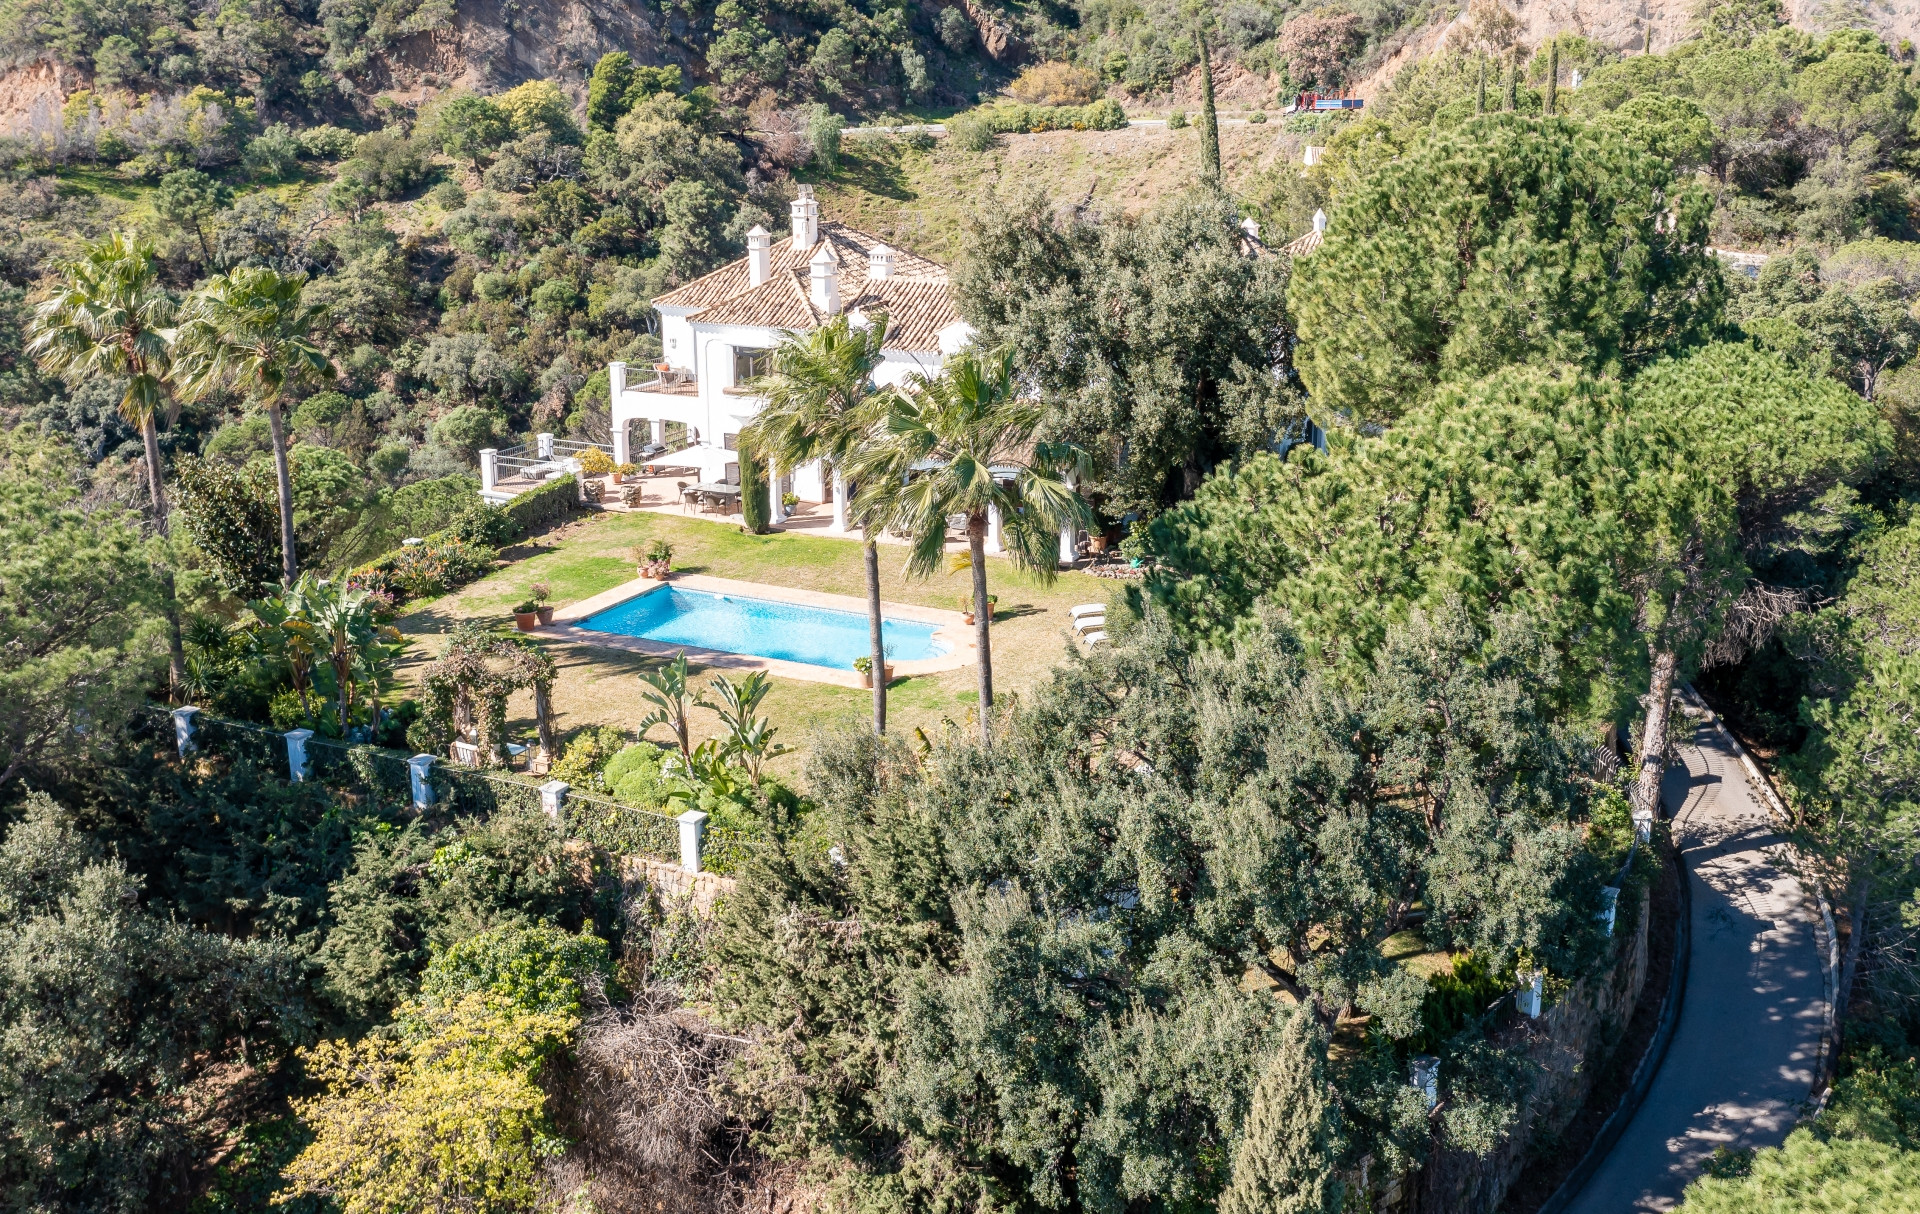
[[1087, 609], [1087, 623], [1096, 637]]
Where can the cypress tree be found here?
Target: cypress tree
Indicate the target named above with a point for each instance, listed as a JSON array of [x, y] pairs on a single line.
[[1553, 74], [1513, 85], [1284, 1164], [1480, 91], [756, 509], [1209, 122]]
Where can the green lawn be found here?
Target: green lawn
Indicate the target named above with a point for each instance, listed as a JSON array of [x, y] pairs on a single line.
[[600, 686]]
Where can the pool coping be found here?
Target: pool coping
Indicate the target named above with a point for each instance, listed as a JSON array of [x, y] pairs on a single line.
[[952, 630]]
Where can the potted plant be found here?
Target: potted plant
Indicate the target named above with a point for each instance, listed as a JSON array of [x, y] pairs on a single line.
[[640, 561], [624, 470], [865, 666], [526, 616], [660, 556], [966, 606], [542, 593], [789, 500], [595, 462]]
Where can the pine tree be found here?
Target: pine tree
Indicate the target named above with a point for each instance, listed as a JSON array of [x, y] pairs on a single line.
[[1209, 121], [1285, 1161]]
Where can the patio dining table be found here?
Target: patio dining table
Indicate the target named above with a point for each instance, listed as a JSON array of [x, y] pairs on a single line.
[[712, 492]]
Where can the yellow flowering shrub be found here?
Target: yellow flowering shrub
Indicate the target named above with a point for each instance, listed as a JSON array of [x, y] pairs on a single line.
[[446, 1117]]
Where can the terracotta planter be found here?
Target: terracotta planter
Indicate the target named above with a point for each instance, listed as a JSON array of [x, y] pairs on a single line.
[[526, 621], [546, 615], [966, 617], [866, 676], [613, 478]]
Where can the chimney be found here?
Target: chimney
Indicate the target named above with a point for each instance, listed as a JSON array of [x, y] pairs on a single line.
[[806, 219], [879, 262], [1320, 222], [1250, 228], [824, 270], [759, 255]]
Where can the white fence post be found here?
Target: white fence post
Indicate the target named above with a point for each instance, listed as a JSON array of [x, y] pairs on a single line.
[[553, 799], [1425, 1078], [545, 442], [1609, 906], [297, 753], [693, 839], [420, 770], [1643, 825], [489, 468], [1531, 998], [183, 729]]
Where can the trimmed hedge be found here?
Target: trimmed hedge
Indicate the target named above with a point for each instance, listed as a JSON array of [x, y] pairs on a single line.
[[1013, 119], [548, 506]]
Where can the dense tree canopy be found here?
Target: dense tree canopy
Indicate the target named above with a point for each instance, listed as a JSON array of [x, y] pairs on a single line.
[[1506, 240], [1158, 345]]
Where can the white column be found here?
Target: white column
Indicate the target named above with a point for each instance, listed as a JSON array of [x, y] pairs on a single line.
[[693, 838], [621, 454], [1068, 534], [839, 503], [489, 470], [1530, 999], [183, 729], [1643, 825], [1425, 1078], [776, 509], [553, 799], [545, 442], [1609, 906], [659, 429], [297, 753], [993, 530], [419, 773]]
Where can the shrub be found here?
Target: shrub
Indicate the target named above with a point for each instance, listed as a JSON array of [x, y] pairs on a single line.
[[1177, 121], [530, 969], [542, 509], [587, 755], [1102, 115], [1256, 118], [971, 133], [1055, 84], [485, 526], [823, 133], [633, 776], [441, 564], [273, 153], [326, 142], [595, 462]]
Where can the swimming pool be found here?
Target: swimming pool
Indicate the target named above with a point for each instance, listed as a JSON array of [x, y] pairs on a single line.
[[764, 628]]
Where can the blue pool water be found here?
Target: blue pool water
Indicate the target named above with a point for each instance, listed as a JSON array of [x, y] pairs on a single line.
[[761, 627]]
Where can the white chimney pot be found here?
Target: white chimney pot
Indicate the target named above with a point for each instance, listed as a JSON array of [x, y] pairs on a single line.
[[824, 274], [759, 255], [879, 262], [806, 219], [1320, 221]]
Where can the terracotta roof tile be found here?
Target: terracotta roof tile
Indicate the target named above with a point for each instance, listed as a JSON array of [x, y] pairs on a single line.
[[1305, 245], [915, 295]]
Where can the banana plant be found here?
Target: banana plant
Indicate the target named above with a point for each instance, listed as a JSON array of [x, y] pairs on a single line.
[[666, 690], [749, 738], [278, 629], [357, 650]]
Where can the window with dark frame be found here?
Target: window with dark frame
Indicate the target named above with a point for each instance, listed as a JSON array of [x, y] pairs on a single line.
[[751, 364]]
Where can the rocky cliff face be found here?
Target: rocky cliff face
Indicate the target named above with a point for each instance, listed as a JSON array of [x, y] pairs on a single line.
[[1631, 25]]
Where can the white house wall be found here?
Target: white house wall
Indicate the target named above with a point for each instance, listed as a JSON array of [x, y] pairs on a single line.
[[676, 339]]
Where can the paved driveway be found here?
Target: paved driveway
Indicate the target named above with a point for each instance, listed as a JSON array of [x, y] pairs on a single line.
[[1747, 1046]]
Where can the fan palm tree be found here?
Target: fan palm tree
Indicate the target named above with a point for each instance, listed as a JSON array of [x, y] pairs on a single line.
[[962, 443], [249, 329], [821, 404], [109, 316]]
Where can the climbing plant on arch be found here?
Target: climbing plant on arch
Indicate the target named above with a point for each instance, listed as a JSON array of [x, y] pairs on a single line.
[[465, 693]]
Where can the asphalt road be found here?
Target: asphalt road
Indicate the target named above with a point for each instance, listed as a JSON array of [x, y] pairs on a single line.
[[1747, 1046]]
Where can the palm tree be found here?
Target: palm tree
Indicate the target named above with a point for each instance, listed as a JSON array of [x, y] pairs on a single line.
[[962, 443], [821, 404], [109, 316], [248, 328]]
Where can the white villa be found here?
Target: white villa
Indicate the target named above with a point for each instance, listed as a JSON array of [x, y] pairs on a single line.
[[717, 331]]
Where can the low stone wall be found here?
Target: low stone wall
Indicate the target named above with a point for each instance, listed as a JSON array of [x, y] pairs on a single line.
[[670, 884], [1567, 1045]]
